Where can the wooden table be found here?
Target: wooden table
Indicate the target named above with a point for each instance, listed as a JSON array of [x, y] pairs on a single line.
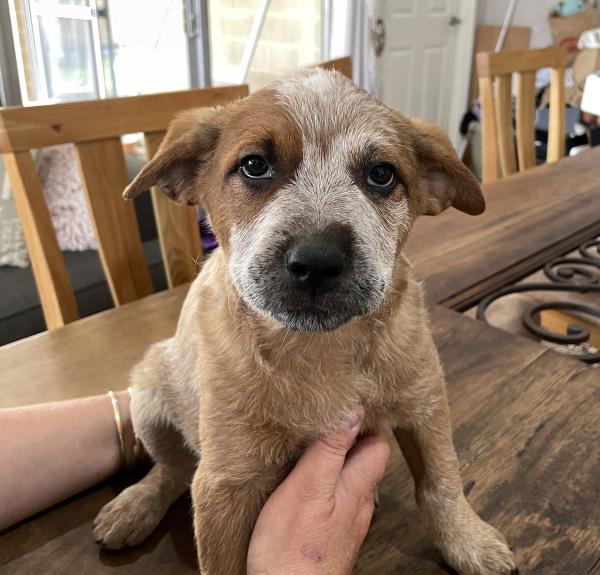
[[526, 431], [525, 419]]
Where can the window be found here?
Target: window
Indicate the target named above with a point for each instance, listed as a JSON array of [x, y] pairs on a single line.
[[83, 49], [290, 38]]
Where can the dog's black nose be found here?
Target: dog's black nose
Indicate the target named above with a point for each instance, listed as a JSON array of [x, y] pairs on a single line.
[[315, 265]]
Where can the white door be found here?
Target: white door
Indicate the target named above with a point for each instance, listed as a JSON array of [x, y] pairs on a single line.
[[427, 55]]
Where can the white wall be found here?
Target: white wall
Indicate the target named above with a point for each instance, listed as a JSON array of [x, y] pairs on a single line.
[[532, 13]]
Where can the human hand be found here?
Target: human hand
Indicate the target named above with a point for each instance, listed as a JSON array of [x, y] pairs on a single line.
[[317, 519]]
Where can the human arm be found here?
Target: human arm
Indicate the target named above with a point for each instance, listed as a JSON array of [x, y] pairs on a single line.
[[52, 451]]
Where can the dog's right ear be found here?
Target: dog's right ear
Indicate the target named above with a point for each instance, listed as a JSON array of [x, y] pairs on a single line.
[[186, 150], [447, 181]]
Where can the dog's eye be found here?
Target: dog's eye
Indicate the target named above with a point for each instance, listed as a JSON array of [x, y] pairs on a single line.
[[255, 167], [381, 176]]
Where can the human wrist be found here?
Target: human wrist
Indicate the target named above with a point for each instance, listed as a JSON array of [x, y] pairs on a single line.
[[291, 566], [288, 569]]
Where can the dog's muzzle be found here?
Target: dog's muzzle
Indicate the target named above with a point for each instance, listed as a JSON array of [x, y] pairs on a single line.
[[314, 282]]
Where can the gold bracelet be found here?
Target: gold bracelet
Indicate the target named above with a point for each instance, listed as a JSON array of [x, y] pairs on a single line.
[[119, 423], [139, 453]]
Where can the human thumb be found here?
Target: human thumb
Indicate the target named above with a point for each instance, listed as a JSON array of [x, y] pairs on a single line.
[[322, 462]]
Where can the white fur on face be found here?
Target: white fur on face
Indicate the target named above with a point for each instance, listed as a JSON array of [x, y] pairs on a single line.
[[324, 195]]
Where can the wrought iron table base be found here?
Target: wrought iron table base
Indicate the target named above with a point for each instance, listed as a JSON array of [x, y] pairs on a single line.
[[572, 274]]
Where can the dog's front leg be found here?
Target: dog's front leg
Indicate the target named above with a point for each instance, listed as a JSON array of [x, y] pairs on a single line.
[[467, 543], [228, 492]]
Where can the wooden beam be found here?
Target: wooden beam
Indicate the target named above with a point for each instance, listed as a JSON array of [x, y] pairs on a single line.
[[491, 165], [556, 128], [504, 124], [526, 120], [24, 128], [51, 276], [497, 64], [104, 177]]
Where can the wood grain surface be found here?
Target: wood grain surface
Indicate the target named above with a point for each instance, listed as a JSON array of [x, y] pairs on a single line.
[[526, 433], [23, 128], [499, 63], [489, 131], [89, 356], [104, 177], [530, 218], [525, 120], [504, 123], [556, 128], [49, 269]]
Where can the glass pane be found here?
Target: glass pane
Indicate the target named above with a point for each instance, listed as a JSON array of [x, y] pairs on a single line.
[[108, 52], [68, 2], [147, 45], [290, 39], [68, 54]]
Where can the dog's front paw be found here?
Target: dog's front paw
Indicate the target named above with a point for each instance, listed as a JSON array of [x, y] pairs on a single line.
[[475, 548], [129, 518]]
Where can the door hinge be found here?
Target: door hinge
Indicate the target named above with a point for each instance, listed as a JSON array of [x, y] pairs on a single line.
[[378, 37]]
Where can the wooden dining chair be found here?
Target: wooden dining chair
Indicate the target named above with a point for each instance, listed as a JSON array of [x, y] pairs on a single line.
[[96, 127], [497, 110]]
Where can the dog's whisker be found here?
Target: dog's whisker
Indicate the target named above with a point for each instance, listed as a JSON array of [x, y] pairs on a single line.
[[197, 263], [309, 342], [287, 331]]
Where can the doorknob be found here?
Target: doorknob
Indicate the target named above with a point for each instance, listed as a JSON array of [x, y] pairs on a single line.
[[455, 21], [378, 37]]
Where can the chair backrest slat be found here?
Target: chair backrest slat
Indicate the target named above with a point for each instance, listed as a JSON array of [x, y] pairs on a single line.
[[177, 229], [556, 133], [489, 132], [95, 127], [53, 283], [504, 123], [525, 112], [496, 111], [104, 177]]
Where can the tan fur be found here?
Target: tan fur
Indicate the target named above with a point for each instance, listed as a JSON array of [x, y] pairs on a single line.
[[258, 392]]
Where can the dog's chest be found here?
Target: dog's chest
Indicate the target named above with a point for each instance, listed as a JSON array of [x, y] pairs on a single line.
[[311, 387]]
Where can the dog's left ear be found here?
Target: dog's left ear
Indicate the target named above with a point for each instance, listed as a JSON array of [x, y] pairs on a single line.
[[446, 180]]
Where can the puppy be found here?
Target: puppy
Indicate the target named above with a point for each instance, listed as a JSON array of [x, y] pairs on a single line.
[[307, 308]]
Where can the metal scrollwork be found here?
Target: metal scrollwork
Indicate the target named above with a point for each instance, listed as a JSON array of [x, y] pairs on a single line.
[[583, 249], [567, 274]]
